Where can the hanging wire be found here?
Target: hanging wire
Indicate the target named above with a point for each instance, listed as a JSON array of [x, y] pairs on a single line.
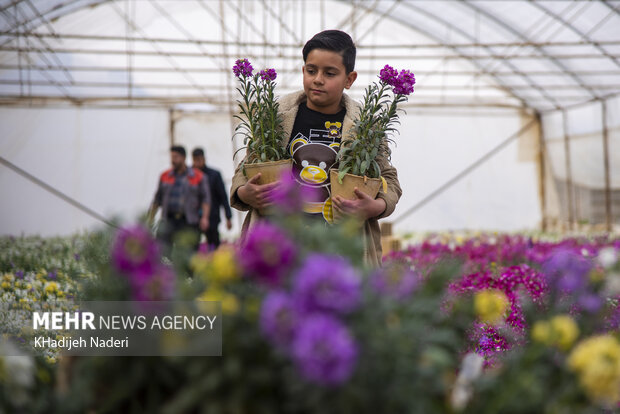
[[56, 192]]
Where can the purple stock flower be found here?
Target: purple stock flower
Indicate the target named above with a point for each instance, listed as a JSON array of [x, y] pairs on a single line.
[[53, 275], [268, 74], [135, 250], [19, 274], [388, 75], [324, 350], [327, 283], [395, 280], [278, 318], [153, 285], [242, 68], [267, 253], [567, 270], [403, 85], [590, 302], [289, 196]]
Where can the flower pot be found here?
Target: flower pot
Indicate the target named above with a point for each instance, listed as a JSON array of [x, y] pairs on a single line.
[[369, 186], [271, 171]]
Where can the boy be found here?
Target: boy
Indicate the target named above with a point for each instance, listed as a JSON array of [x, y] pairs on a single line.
[[315, 121]]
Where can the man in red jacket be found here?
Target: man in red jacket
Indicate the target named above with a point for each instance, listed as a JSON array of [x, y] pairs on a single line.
[[183, 194]]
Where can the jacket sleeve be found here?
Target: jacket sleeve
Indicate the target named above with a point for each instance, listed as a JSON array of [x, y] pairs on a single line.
[[238, 180], [389, 173], [157, 199], [205, 193], [221, 194]]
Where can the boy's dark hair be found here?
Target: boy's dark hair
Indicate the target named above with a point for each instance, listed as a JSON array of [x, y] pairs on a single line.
[[336, 41], [198, 152], [178, 149]]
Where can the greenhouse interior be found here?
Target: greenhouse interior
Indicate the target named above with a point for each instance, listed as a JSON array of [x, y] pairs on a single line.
[[481, 275]]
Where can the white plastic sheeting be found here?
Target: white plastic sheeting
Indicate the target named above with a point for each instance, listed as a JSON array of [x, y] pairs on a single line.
[[110, 160], [483, 69]]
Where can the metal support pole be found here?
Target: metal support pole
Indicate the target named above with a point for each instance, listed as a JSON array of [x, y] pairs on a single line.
[[171, 121], [569, 175], [542, 189], [605, 135]]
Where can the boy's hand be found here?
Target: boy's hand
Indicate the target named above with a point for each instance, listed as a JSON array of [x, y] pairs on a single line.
[[363, 207], [254, 194]]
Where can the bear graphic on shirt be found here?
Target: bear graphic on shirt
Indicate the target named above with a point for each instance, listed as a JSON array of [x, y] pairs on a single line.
[[312, 159]]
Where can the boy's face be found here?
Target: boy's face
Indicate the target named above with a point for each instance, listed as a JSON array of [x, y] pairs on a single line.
[[325, 78]]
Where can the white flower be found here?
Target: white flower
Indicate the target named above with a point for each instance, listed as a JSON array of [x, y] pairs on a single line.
[[612, 284], [19, 373], [471, 369], [607, 257]]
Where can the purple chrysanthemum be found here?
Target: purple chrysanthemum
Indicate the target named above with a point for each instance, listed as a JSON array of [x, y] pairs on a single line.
[[242, 68], [327, 283], [324, 350], [567, 270], [396, 281], [388, 75], [403, 84], [135, 250], [488, 342], [590, 302], [268, 74], [267, 253], [289, 196], [153, 285], [279, 318]]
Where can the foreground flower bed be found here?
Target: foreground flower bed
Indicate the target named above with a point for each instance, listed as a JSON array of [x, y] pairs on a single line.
[[492, 323]]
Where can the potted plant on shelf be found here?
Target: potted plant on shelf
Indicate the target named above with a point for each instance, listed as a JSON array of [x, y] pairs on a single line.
[[260, 124], [357, 165]]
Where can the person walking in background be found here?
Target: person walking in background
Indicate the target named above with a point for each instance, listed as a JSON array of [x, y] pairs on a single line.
[[219, 198], [184, 196]]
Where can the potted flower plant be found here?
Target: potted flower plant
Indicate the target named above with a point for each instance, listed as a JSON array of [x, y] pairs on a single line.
[[260, 123], [378, 116]]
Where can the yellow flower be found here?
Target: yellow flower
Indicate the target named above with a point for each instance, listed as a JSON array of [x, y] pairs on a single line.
[[6, 285], [541, 332], [199, 263], [561, 331], [220, 266], [564, 331], [51, 287], [230, 304], [8, 277], [596, 275], [224, 264], [596, 361], [491, 305]]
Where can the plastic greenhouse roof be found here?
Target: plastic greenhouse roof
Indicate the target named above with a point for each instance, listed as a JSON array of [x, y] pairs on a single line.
[[542, 55]]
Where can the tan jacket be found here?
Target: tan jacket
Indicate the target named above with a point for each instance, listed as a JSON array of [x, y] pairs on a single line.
[[289, 105]]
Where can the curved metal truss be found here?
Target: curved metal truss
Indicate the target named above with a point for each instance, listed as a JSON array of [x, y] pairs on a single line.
[[543, 55]]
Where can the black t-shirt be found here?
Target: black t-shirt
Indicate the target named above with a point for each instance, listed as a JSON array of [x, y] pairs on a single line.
[[313, 145]]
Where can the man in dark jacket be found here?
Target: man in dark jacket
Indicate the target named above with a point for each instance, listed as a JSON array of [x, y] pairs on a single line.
[[218, 198], [184, 197]]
